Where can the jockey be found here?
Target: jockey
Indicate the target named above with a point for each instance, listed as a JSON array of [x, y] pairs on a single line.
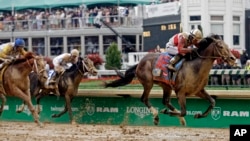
[[64, 61], [9, 51], [179, 45]]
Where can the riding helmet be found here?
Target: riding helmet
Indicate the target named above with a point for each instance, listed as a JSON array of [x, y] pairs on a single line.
[[196, 33], [19, 42], [75, 52]]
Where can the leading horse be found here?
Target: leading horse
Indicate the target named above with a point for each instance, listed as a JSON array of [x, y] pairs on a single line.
[[190, 79], [15, 80]]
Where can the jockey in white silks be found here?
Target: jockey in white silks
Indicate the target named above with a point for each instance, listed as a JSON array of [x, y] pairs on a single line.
[[63, 62]]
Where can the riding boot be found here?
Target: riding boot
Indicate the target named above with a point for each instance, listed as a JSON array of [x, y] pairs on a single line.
[[53, 83], [4, 63], [172, 62]]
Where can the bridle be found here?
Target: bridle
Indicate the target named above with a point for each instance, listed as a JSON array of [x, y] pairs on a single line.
[[86, 69], [215, 50], [34, 67]]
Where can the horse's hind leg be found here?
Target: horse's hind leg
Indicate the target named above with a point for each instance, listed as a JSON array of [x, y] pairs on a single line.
[[203, 94], [145, 100], [3, 98]]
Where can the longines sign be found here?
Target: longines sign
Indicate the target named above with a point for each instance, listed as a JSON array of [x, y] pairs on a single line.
[[131, 111]]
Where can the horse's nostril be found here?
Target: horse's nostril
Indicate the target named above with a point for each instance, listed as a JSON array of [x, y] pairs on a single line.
[[232, 58]]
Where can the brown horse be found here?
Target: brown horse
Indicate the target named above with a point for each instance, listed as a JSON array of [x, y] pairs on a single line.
[[190, 79], [68, 84], [37, 84], [15, 80]]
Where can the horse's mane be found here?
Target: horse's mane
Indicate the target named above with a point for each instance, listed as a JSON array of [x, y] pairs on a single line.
[[27, 56], [202, 45], [205, 42], [74, 66]]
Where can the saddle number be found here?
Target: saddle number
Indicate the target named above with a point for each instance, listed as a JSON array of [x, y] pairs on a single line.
[[156, 72]]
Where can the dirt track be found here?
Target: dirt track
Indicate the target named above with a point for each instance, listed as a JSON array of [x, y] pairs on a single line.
[[26, 131]]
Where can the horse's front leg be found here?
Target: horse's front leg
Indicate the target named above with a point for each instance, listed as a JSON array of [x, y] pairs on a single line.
[[167, 102], [36, 94], [21, 107], [25, 96], [182, 102], [3, 98], [67, 101], [38, 98], [204, 95]]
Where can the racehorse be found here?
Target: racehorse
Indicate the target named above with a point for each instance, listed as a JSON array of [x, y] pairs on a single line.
[[15, 80], [37, 85], [190, 79], [68, 84]]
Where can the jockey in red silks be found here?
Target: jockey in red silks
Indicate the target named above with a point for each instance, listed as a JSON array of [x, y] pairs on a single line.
[[180, 44]]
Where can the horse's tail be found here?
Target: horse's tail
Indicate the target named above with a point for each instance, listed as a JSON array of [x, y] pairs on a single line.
[[124, 79]]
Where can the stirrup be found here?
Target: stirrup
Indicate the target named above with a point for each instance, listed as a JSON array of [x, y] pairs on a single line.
[[171, 68]]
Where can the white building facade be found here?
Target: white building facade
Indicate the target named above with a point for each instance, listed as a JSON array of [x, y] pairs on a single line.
[[222, 17]]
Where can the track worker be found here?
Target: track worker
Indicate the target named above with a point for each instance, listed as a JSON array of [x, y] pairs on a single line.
[[9, 51], [180, 44]]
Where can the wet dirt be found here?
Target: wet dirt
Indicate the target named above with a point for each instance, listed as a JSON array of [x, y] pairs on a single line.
[[28, 131]]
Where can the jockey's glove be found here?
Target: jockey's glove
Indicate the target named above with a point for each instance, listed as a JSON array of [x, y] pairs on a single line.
[[13, 59], [7, 61], [194, 49]]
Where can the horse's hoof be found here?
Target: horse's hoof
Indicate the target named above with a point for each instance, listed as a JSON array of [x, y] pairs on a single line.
[[54, 116], [40, 124], [197, 116], [18, 111], [182, 121], [73, 122], [156, 120], [164, 111]]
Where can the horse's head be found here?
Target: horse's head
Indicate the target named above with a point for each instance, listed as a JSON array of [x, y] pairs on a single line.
[[213, 47], [88, 65], [39, 68], [222, 50]]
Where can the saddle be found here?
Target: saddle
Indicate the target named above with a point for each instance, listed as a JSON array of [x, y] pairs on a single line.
[[160, 71]]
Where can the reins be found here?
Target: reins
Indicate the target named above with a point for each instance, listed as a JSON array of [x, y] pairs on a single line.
[[85, 67], [210, 57], [35, 66]]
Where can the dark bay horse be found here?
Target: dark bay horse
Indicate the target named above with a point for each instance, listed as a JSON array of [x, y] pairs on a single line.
[[38, 90], [68, 84], [190, 79], [15, 80]]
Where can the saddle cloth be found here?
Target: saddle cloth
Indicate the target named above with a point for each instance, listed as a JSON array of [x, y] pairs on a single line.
[[160, 71]]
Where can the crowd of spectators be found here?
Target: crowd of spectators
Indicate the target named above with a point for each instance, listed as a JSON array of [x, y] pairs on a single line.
[[226, 79], [67, 18]]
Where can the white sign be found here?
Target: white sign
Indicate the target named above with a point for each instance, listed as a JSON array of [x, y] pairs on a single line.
[[171, 8]]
